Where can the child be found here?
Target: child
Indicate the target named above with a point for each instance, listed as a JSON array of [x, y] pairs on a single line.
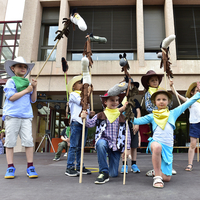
[[194, 120], [2, 141], [109, 137], [163, 122], [135, 135], [74, 88], [18, 114], [65, 140]]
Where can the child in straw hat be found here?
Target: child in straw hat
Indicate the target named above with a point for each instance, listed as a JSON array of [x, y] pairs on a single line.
[[18, 114], [194, 120], [109, 136], [163, 122], [76, 124]]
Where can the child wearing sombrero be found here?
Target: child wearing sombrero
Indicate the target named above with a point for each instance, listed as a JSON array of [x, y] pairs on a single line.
[[163, 122], [18, 114], [109, 137], [76, 124], [194, 120]]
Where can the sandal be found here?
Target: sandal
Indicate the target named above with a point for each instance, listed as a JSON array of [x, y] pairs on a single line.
[[189, 169], [150, 173], [158, 179]]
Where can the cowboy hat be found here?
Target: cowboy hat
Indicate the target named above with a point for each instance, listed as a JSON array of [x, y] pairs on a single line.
[[147, 76], [19, 60], [188, 93], [161, 90], [72, 82], [106, 96]]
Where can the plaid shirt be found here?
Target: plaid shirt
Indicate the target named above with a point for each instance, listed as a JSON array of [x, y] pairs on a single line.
[[111, 132]]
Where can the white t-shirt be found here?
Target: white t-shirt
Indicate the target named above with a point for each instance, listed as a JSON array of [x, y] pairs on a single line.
[[194, 109], [164, 136]]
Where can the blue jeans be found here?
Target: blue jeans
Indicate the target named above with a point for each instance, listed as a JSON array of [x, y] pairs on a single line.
[[75, 144], [114, 158]]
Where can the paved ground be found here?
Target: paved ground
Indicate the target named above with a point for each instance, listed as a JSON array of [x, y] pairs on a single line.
[[53, 184]]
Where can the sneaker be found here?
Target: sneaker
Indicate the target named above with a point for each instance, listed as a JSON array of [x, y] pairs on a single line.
[[135, 169], [122, 169], [85, 171], [56, 159], [71, 172], [102, 178], [31, 173], [65, 155], [10, 173]]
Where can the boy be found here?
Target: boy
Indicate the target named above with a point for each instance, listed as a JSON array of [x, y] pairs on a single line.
[[74, 88], [18, 114], [163, 122], [109, 137]]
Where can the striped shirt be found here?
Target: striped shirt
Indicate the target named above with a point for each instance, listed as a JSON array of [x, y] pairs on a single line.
[[111, 132]]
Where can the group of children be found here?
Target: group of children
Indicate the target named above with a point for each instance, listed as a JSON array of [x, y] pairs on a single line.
[[110, 125]]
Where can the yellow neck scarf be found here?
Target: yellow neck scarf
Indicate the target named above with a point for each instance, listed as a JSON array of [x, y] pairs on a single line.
[[77, 91], [198, 100], [152, 90], [161, 117], [112, 114]]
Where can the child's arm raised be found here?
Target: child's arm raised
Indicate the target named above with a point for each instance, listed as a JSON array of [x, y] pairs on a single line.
[[182, 98], [34, 94]]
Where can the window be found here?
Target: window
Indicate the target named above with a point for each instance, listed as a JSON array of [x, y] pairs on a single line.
[[49, 26], [117, 24], [154, 30], [187, 29]]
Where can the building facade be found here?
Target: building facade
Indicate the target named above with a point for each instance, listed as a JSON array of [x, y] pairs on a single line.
[[135, 27]]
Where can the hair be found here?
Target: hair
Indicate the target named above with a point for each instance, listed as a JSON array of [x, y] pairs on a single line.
[[164, 94], [192, 90]]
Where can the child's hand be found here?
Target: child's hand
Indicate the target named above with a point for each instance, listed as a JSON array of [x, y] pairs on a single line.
[[198, 86], [92, 113], [34, 83], [171, 83], [84, 114], [29, 88]]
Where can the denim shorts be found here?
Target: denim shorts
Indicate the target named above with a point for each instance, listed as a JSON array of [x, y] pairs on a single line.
[[16, 126], [195, 130]]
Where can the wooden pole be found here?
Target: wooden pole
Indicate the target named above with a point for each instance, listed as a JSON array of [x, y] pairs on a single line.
[[47, 59], [124, 180], [66, 87], [91, 95], [197, 149], [82, 151]]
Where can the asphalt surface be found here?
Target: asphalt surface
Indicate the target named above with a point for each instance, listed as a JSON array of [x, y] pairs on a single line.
[[52, 182]]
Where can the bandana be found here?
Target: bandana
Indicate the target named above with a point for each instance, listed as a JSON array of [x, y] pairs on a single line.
[[198, 100], [77, 91], [20, 83], [161, 117], [153, 90], [112, 114]]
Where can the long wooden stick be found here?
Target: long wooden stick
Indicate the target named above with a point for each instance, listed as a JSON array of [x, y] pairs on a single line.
[[91, 95], [66, 87], [47, 59], [82, 151], [124, 180], [197, 149]]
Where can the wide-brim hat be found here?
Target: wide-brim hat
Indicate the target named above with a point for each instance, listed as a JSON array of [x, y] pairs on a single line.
[[72, 82], [147, 76], [19, 60], [136, 84], [188, 93], [106, 96], [161, 90]]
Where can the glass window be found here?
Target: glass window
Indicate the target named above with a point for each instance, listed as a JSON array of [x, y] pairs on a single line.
[[117, 25], [187, 30]]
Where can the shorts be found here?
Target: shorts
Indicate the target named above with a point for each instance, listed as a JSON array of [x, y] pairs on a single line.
[[195, 130], [134, 138], [16, 126]]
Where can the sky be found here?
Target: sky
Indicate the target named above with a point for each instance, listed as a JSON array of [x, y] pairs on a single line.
[[15, 9]]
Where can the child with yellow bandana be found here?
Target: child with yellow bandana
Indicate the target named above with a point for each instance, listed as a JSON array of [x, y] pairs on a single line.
[[109, 137], [18, 114], [163, 122], [194, 120]]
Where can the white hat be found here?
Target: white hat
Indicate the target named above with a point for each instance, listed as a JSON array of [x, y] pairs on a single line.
[[19, 60]]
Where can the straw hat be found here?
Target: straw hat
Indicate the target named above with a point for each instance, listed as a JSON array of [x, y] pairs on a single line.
[[72, 82], [147, 76], [106, 95], [188, 93], [19, 60], [161, 90]]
